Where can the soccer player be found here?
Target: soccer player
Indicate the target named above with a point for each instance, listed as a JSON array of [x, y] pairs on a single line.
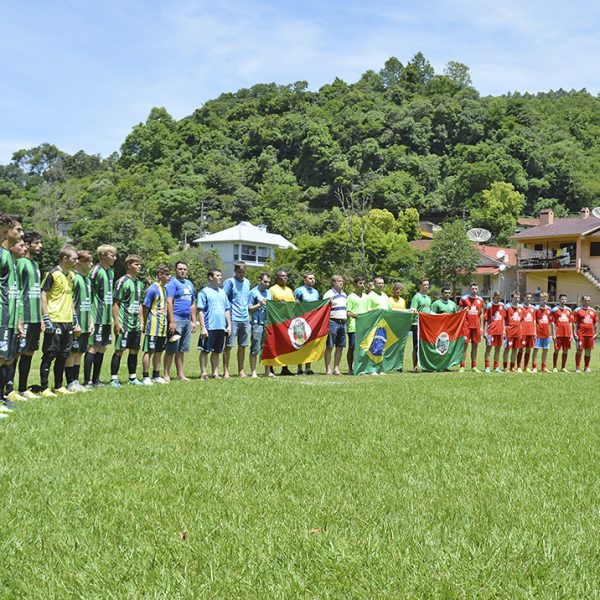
[[378, 299], [237, 289], [474, 305], [306, 293], [543, 319], [60, 322], [101, 278], [562, 319], [127, 318], [154, 315], [586, 324], [214, 317], [397, 302], [181, 313], [420, 302], [11, 232], [337, 324], [82, 294], [514, 317], [257, 306], [444, 305], [357, 304], [30, 280], [527, 332], [495, 317], [282, 293]]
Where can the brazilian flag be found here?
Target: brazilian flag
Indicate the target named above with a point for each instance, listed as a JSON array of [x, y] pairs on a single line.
[[380, 340]]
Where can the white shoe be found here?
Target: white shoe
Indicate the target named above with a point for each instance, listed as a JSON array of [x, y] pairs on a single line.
[[159, 380], [147, 381], [30, 395]]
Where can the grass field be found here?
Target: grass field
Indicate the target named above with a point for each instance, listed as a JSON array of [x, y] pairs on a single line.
[[447, 485]]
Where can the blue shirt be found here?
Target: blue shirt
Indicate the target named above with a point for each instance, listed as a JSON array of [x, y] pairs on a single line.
[[237, 292], [306, 294], [183, 295], [214, 304], [256, 295]]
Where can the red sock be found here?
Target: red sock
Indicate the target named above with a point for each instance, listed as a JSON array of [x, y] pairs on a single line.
[[473, 364], [487, 363], [462, 364], [544, 367], [554, 360], [564, 360], [526, 361], [578, 359], [505, 364], [495, 365], [586, 360], [534, 365], [512, 365]]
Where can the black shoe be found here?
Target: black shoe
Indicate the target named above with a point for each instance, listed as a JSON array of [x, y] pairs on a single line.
[[310, 372], [286, 372]]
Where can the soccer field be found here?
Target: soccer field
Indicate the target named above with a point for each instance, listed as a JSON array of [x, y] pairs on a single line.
[[444, 485]]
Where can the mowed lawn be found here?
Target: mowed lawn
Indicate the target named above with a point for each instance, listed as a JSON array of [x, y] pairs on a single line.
[[446, 485]]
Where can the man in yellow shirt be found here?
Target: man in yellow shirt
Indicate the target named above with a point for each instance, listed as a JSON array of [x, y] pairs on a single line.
[[282, 293]]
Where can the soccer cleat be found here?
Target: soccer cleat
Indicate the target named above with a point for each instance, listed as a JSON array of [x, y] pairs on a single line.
[[564, 370], [534, 370], [461, 370], [3, 415], [29, 395], [498, 370], [147, 381], [115, 383], [309, 372], [135, 382], [63, 391], [587, 370], [578, 370], [529, 370], [488, 370], [47, 393], [98, 384], [475, 370], [14, 396], [545, 370], [159, 380], [519, 370], [76, 387], [555, 370], [89, 386], [4, 410]]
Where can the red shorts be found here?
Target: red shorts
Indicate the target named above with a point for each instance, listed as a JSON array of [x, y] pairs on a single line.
[[527, 341], [585, 342], [562, 343], [513, 342], [495, 340], [473, 335]]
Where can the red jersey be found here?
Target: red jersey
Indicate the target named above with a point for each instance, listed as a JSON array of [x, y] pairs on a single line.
[[563, 317], [474, 306], [514, 317], [528, 324], [585, 318], [543, 318], [495, 315]]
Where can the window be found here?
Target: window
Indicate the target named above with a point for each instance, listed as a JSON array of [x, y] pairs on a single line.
[[538, 247], [236, 252], [248, 253], [594, 248], [263, 254]]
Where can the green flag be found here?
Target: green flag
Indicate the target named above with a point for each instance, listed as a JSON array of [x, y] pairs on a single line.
[[380, 341]]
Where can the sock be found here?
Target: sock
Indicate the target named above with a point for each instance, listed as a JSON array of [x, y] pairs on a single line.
[[578, 359], [88, 362], [98, 358], [45, 371], [526, 361], [70, 375], [59, 369], [10, 374], [544, 367], [534, 365], [512, 365], [473, 364], [495, 364], [487, 363], [155, 374], [115, 363], [24, 368], [2, 380], [132, 360], [146, 375], [75, 372], [505, 364], [564, 360], [554, 360], [586, 361], [462, 364]]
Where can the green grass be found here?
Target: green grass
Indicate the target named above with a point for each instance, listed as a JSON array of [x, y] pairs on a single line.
[[446, 485]]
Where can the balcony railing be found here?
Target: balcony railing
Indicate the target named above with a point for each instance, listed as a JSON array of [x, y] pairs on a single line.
[[555, 263]]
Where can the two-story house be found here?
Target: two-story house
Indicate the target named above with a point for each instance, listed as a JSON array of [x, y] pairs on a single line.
[[561, 256]]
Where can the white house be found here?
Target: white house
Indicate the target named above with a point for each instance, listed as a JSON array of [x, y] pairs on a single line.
[[250, 243]]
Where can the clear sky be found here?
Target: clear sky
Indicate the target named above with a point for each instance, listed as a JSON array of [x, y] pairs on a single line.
[[81, 74]]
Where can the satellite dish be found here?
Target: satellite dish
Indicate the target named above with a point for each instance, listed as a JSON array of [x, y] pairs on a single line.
[[500, 254], [505, 259], [479, 235], [502, 267], [596, 212]]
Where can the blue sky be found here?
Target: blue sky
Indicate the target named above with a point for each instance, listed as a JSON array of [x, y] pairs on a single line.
[[81, 74]]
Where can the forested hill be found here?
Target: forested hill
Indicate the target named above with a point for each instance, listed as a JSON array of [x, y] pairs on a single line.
[[400, 138]]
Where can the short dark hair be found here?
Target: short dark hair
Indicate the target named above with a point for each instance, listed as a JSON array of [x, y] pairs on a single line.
[[211, 273], [422, 281], [9, 220], [562, 296], [263, 275], [446, 288], [180, 262], [473, 283], [131, 258], [280, 271], [358, 278], [162, 270], [239, 264], [31, 236], [66, 251]]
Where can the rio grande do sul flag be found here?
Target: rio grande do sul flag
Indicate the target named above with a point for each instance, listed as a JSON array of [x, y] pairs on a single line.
[[296, 332], [441, 341], [380, 341]]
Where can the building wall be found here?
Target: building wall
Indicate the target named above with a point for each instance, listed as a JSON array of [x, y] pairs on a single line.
[[574, 284], [505, 283]]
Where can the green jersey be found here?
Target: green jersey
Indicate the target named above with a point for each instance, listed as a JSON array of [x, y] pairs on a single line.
[[128, 293], [358, 305], [441, 307], [29, 279], [9, 291], [421, 303], [82, 303], [102, 294]]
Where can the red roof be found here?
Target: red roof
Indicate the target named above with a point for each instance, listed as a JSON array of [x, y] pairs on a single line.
[[491, 251]]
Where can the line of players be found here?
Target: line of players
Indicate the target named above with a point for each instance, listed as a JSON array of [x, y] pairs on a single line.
[[524, 330]]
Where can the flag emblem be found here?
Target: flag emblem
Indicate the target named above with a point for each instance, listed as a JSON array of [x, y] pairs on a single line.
[[378, 341], [299, 331], [442, 343]]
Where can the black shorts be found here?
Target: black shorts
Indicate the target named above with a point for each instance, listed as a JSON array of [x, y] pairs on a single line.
[[80, 344], [9, 343], [102, 335], [59, 342], [215, 342], [130, 340], [30, 341], [154, 343]]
